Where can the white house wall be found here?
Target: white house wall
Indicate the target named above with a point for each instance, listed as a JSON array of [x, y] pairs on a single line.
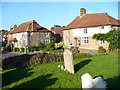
[[78, 33], [91, 31], [21, 38]]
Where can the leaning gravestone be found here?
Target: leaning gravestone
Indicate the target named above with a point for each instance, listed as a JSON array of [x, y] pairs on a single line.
[[68, 61]]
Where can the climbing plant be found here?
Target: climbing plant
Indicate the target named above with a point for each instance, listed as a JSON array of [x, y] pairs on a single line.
[[113, 37]]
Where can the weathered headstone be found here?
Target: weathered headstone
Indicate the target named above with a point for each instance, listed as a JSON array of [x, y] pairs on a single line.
[[89, 83], [68, 61]]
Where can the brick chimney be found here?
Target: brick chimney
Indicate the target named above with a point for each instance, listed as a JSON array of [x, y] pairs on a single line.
[[15, 26], [11, 28], [82, 11]]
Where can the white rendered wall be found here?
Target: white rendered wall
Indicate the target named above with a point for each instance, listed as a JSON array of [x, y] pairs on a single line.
[[22, 39], [90, 31]]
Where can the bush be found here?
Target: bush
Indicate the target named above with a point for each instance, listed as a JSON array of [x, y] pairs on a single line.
[[33, 48], [50, 46], [41, 46], [59, 45], [77, 54], [16, 49], [7, 48], [30, 60], [101, 50], [22, 49]]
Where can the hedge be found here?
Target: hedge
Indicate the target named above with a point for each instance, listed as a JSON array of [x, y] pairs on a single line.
[[29, 60]]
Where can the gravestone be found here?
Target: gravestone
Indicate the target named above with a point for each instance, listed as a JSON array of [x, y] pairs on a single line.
[[68, 61]]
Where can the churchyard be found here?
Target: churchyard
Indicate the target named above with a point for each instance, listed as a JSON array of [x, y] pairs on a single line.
[[51, 76]]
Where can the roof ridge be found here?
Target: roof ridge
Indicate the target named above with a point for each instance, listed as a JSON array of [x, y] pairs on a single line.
[[108, 19], [28, 21], [96, 13]]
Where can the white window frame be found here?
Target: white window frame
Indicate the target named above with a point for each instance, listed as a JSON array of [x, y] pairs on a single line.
[[68, 40], [102, 42], [85, 40], [85, 30], [101, 27], [46, 34], [46, 41]]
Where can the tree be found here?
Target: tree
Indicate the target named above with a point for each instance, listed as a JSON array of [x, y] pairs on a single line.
[[3, 31], [113, 37], [55, 26]]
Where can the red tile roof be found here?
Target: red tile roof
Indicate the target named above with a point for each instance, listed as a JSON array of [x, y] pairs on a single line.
[[58, 30], [90, 20], [28, 26]]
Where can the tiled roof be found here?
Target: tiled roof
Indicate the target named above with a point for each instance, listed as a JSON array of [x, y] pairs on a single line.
[[58, 30], [28, 26], [90, 20]]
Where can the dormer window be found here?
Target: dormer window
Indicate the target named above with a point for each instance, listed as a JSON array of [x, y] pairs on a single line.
[[85, 30], [101, 27]]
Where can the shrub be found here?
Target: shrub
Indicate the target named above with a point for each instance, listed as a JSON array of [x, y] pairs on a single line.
[[50, 46], [101, 50], [80, 55], [59, 45], [29, 60], [44, 50], [54, 51], [7, 48], [77, 54], [41, 46], [33, 48], [74, 50], [117, 51], [16, 49], [22, 49]]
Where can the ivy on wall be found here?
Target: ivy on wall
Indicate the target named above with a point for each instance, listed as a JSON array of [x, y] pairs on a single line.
[[113, 37]]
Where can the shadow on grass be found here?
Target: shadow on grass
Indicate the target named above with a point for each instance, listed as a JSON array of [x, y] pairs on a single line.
[[80, 65], [15, 75], [40, 82], [16, 61], [113, 82]]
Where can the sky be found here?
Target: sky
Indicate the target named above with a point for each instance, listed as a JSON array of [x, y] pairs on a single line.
[[48, 14]]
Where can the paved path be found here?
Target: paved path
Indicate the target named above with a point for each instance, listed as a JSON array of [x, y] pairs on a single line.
[[5, 54]]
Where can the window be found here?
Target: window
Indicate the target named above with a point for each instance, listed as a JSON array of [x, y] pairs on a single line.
[[101, 27], [102, 42], [67, 32], [46, 41], [85, 40], [46, 34], [67, 40], [85, 30]]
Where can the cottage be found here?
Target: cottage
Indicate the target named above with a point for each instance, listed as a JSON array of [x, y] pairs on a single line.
[[28, 34], [80, 31], [58, 33]]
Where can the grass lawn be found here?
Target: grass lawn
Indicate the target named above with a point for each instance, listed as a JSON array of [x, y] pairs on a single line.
[[50, 76]]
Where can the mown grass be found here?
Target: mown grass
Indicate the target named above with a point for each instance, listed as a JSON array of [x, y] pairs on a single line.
[[50, 76]]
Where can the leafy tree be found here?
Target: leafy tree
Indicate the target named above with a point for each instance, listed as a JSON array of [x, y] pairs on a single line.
[[59, 45], [55, 26], [3, 31], [53, 39], [50, 46]]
